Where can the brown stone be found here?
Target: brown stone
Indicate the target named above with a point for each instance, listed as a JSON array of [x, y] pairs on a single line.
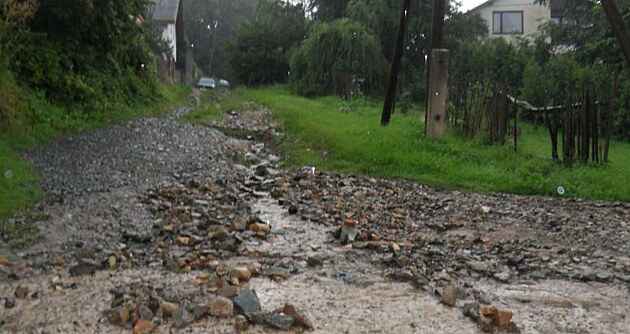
[[259, 228], [221, 307], [299, 319], [241, 323], [488, 318], [183, 240], [449, 295], [228, 291], [168, 309], [394, 247], [144, 327], [20, 292], [242, 273], [505, 317]]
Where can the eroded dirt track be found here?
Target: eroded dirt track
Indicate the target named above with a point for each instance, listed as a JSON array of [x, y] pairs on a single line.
[[160, 211]]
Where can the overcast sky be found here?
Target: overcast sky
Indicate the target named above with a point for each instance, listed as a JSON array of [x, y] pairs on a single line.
[[469, 4]]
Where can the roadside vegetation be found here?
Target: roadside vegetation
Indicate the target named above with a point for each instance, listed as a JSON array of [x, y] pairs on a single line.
[[333, 134], [69, 69]]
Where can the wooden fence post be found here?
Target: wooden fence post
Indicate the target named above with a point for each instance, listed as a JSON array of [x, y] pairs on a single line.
[[438, 79]]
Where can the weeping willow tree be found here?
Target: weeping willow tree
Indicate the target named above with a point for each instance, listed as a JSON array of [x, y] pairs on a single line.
[[340, 57]]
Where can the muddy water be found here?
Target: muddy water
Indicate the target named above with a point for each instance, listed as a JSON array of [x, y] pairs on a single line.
[[347, 294]]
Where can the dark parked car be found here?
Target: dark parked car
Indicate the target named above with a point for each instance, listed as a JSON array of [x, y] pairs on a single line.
[[205, 82]]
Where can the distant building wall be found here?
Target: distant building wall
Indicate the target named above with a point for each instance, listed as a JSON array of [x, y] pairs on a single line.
[[510, 19], [169, 35]]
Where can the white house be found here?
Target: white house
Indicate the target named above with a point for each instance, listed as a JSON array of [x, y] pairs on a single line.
[[164, 13], [511, 18], [169, 17]]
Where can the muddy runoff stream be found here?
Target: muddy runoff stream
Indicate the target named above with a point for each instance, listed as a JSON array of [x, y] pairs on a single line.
[[341, 290]]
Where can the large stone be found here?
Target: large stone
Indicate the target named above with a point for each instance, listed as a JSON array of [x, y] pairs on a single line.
[[247, 302], [299, 318], [221, 307], [449, 295]]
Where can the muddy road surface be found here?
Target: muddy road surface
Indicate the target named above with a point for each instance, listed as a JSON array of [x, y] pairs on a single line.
[[160, 226]]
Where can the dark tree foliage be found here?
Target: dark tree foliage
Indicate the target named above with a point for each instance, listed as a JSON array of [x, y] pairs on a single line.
[[260, 52], [81, 51]]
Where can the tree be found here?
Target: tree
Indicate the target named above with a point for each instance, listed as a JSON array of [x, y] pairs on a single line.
[[260, 52], [340, 58], [328, 10], [210, 26]]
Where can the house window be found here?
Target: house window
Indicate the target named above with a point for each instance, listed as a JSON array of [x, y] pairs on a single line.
[[507, 22]]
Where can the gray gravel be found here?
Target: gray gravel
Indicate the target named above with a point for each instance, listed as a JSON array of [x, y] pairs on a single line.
[[142, 151], [95, 181]]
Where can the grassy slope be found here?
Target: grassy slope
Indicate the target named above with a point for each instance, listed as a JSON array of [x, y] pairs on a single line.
[[46, 122], [333, 135]]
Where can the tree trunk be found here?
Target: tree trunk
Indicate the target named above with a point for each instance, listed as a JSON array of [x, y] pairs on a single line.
[[611, 109], [618, 25], [395, 69]]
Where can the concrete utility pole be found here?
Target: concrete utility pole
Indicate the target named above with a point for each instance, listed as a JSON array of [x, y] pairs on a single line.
[[618, 25], [388, 106], [435, 117]]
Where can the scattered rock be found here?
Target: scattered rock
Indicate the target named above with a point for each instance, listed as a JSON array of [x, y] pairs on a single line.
[[260, 228], [242, 273], [221, 307], [20, 292], [83, 269], [503, 277], [144, 326], [299, 318], [247, 302], [241, 323], [168, 309], [471, 310], [9, 302], [449, 295], [273, 320], [348, 231], [145, 313], [394, 247], [293, 209], [181, 318], [228, 291]]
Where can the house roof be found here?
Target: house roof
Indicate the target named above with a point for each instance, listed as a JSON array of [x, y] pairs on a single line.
[[164, 10]]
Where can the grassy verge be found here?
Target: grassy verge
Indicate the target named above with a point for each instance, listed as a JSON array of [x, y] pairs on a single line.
[[214, 105], [38, 121], [347, 137]]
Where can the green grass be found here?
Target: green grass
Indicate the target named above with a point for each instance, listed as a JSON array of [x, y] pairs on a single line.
[[347, 137], [214, 105], [39, 121]]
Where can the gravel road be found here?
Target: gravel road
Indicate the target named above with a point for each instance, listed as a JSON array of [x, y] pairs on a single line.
[[155, 206]]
